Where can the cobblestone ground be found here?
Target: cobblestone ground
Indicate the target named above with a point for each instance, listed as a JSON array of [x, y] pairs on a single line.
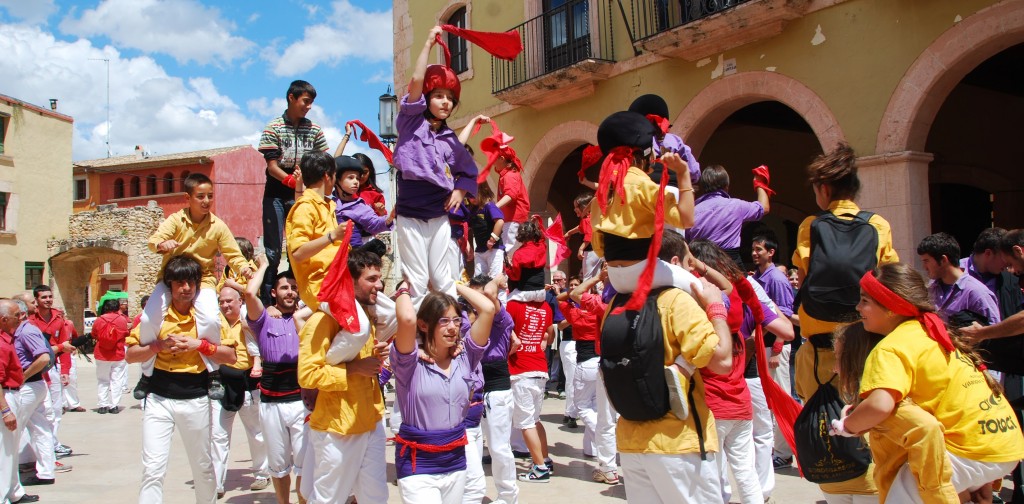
[[107, 462]]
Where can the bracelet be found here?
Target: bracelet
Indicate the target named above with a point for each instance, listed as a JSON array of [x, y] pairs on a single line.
[[348, 135], [403, 290], [330, 236], [688, 189], [5, 412], [716, 310], [206, 348], [494, 237]]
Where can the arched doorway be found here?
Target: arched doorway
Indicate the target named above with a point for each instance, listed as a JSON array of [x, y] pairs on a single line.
[[975, 177], [772, 134]]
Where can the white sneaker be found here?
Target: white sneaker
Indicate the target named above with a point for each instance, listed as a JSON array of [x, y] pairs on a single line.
[[609, 477], [261, 483], [676, 395]]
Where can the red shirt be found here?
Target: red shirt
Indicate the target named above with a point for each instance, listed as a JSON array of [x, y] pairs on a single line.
[[11, 375], [511, 184], [532, 320], [586, 324], [110, 331], [58, 329], [136, 320], [593, 303], [727, 396], [372, 196], [585, 228], [529, 255]]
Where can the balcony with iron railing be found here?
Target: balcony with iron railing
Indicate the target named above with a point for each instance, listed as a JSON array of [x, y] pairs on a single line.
[[696, 29], [566, 51]]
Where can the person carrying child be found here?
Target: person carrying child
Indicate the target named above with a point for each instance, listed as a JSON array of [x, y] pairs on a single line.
[[196, 232]]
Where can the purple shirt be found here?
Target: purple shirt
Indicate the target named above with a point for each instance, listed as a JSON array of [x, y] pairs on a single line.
[[968, 293], [276, 337], [501, 337], [367, 222], [719, 218], [430, 399], [456, 217], [776, 285], [430, 164], [29, 343], [481, 224], [990, 281]]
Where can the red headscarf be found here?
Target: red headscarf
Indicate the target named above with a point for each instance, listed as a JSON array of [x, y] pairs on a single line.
[[371, 139], [933, 325], [591, 155]]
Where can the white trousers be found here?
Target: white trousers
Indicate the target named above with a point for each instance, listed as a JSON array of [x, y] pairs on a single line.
[[456, 263], [433, 488], [737, 455], [282, 433], [423, 248], [764, 437], [159, 419], [111, 377], [307, 471], [497, 427], [584, 387], [349, 465], [624, 278], [968, 475], [567, 354], [55, 396], [671, 479], [223, 423], [591, 265], [508, 236], [850, 498], [781, 376], [492, 264], [32, 418], [207, 313], [605, 443], [10, 482], [71, 400], [476, 482]]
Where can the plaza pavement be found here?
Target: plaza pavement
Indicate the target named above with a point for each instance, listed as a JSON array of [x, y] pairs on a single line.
[[108, 468]]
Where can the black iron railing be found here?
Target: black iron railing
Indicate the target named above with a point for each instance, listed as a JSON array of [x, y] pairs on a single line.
[[575, 31], [651, 17]]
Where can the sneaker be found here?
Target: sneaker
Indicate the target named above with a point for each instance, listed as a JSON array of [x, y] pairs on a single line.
[[551, 465], [142, 388], [676, 395], [26, 499], [536, 475], [561, 395], [220, 494], [102, 410], [572, 423], [609, 477], [565, 419], [261, 483], [782, 462], [76, 409], [215, 390], [62, 451], [62, 468], [35, 480], [113, 410]]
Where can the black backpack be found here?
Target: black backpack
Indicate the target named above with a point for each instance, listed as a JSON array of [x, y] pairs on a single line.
[[841, 252], [633, 360], [824, 458]]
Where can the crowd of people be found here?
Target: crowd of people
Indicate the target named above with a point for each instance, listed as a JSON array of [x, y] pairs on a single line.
[[683, 367]]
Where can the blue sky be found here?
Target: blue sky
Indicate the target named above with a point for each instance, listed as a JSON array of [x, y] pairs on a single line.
[[194, 74]]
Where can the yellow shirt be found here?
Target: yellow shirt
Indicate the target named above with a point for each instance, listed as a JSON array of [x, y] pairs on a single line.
[[236, 332], [347, 404], [181, 324], [240, 280], [810, 326], [311, 217], [688, 333], [202, 240], [635, 218], [979, 426]]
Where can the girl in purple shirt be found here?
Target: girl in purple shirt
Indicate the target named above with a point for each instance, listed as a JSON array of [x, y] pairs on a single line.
[[434, 396], [349, 206]]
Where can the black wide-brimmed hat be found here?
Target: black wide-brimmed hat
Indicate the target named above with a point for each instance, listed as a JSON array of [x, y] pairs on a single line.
[[625, 129]]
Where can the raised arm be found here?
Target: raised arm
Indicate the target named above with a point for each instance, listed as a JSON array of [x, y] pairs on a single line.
[[344, 141], [485, 304], [577, 293], [405, 313], [253, 305], [416, 84], [467, 131], [686, 201]]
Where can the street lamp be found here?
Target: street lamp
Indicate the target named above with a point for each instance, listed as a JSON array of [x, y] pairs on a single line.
[[386, 117]]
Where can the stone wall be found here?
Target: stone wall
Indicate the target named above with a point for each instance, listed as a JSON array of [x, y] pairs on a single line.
[[108, 234]]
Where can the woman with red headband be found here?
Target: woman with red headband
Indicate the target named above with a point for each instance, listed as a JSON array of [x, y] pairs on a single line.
[[920, 361]]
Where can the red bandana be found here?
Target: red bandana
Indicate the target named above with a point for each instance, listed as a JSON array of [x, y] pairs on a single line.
[[933, 325], [591, 155]]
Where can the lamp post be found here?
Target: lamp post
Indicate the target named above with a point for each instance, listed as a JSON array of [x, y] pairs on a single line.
[[389, 135]]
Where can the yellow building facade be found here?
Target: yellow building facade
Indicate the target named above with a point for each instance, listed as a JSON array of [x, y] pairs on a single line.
[[926, 93], [35, 190]]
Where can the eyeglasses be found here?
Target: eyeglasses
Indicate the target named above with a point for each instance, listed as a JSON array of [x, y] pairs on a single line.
[[444, 321], [558, 279]]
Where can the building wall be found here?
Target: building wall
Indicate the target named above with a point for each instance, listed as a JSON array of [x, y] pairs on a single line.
[[871, 72], [239, 177], [170, 201], [34, 172]]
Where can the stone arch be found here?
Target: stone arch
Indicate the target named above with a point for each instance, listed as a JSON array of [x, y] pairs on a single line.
[[107, 234], [924, 88], [706, 111], [548, 153]]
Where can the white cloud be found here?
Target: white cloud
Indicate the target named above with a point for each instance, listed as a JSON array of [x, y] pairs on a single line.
[[31, 11], [184, 29], [147, 106], [381, 77], [349, 32]]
